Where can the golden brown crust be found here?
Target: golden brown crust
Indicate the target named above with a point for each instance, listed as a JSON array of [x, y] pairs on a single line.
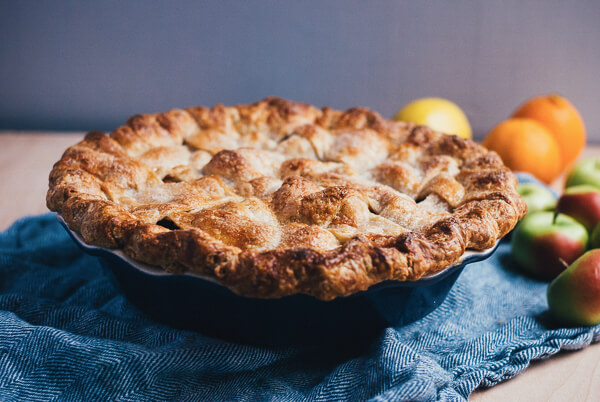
[[278, 197]]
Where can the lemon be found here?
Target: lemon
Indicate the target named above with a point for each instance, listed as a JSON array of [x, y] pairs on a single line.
[[438, 113]]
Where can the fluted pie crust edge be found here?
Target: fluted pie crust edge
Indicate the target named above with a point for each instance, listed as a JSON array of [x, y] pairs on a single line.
[[277, 197]]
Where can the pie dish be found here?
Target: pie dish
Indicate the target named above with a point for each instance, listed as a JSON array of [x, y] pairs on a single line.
[[192, 302], [278, 198]]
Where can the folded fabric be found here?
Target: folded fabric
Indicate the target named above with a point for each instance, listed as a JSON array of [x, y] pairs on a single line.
[[68, 332]]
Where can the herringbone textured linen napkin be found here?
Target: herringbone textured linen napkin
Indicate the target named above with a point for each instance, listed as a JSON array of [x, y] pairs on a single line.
[[67, 332]]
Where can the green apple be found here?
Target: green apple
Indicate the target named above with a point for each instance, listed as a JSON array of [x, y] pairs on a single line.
[[582, 203], [574, 296], [585, 172], [543, 242], [595, 237], [537, 197]]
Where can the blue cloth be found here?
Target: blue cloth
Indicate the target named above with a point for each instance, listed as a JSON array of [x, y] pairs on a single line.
[[67, 332]]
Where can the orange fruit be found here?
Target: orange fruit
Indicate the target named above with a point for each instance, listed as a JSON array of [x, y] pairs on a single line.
[[563, 121], [527, 146]]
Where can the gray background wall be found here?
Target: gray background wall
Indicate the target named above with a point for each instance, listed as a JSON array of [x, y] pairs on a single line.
[[89, 65]]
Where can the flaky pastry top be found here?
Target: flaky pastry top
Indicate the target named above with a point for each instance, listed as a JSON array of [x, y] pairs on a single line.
[[278, 197]]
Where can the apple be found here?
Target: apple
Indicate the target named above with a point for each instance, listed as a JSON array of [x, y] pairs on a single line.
[[585, 172], [574, 296], [542, 240], [595, 237], [537, 197], [582, 203]]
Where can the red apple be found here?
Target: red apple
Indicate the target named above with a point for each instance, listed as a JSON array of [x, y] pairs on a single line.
[[542, 240], [581, 203], [574, 296]]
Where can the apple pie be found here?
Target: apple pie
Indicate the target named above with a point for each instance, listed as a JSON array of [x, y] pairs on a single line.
[[277, 197]]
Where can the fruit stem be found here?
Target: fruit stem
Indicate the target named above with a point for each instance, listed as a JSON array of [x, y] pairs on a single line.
[[563, 263], [554, 217]]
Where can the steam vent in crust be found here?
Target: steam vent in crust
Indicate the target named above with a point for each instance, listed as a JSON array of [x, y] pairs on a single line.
[[277, 197]]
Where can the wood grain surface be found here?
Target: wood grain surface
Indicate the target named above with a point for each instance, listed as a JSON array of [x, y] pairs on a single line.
[[26, 159]]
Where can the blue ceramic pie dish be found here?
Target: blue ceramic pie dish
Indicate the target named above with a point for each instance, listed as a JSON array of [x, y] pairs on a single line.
[[189, 301]]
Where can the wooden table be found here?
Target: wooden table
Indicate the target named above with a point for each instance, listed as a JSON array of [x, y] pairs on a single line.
[[26, 159]]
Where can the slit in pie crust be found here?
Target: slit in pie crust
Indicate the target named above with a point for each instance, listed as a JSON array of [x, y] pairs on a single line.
[[278, 197]]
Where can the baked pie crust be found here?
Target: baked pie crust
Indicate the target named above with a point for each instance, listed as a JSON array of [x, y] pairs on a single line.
[[278, 197]]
